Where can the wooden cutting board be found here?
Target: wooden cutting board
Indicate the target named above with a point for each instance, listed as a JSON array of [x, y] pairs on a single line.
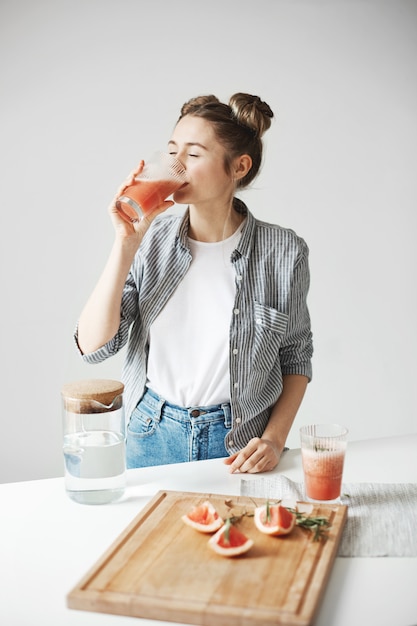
[[160, 568]]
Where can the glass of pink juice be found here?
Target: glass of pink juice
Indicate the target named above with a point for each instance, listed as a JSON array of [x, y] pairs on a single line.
[[161, 176], [323, 448]]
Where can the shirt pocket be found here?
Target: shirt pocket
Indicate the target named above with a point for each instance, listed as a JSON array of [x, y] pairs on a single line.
[[269, 328]]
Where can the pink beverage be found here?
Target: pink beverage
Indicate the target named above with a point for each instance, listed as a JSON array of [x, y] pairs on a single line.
[[323, 448], [147, 195], [323, 473], [161, 176]]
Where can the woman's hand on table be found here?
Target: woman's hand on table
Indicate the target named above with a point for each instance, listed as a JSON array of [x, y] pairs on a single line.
[[259, 455]]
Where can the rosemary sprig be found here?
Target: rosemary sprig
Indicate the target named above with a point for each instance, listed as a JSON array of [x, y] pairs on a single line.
[[318, 525], [268, 512], [236, 517], [227, 530]]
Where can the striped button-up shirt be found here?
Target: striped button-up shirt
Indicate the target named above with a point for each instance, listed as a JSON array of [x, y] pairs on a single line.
[[270, 334]]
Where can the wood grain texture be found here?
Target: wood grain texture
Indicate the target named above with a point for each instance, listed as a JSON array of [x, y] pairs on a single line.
[[159, 568]]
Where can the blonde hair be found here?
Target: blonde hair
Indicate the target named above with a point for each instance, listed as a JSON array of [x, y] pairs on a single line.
[[238, 125]]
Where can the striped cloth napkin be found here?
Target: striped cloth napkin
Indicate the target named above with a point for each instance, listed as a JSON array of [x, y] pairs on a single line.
[[381, 520]]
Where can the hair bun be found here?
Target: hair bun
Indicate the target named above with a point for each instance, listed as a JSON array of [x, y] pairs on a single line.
[[251, 111]]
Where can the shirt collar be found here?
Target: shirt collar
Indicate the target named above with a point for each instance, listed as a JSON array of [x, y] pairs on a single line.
[[245, 242], [244, 246]]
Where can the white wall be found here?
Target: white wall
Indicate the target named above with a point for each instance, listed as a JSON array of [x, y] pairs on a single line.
[[88, 87]]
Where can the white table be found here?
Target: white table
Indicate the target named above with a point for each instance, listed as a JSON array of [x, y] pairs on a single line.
[[48, 542]]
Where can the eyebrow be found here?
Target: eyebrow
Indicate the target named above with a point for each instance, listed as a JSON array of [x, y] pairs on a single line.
[[189, 143]]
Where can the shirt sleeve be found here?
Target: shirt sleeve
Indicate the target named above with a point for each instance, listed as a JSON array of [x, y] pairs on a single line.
[[297, 346], [129, 310]]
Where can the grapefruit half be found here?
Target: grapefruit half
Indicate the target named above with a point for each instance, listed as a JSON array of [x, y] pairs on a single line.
[[274, 519], [229, 541], [204, 518]]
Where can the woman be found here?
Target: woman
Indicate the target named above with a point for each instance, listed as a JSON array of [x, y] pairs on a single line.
[[211, 303]]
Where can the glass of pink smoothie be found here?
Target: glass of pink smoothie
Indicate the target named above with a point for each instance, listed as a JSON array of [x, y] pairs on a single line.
[[323, 448], [161, 176]]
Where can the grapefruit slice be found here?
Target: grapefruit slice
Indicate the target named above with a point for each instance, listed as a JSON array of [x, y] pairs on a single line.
[[229, 541], [274, 519], [204, 518]]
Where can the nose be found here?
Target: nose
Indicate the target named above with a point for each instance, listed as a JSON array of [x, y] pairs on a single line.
[[180, 156]]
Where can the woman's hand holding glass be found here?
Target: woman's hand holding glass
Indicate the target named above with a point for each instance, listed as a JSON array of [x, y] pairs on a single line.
[[125, 226]]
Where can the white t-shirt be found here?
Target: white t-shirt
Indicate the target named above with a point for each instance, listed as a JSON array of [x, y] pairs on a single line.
[[188, 362]]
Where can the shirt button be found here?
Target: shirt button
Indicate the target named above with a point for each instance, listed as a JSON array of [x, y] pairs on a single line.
[[236, 385], [235, 350], [258, 320], [238, 420], [231, 442], [238, 277], [236, 311]]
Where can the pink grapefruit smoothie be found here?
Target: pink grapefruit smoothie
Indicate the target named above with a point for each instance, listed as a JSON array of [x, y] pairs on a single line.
[[148, 194], [323, 472]]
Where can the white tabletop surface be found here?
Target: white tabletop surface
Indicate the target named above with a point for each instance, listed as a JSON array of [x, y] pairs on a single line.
[[48, 542]]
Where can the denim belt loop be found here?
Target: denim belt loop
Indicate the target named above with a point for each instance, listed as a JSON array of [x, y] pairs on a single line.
[[159, 408], [227, 410]]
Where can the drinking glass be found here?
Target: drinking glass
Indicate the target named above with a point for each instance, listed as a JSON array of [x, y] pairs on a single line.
[[161, 176], [323, 448]]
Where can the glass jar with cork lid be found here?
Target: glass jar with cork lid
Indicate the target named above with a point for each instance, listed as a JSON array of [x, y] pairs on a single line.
[[94, 440]]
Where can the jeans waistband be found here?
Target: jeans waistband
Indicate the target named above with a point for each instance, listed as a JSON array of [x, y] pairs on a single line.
[[153, 398]]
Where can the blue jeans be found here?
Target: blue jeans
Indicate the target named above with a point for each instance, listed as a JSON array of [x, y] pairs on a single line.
[[159, 433]]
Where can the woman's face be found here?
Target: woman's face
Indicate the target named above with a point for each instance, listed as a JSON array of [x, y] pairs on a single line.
[[194, 143]]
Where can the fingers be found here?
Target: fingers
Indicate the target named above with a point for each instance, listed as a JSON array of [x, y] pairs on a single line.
[[130, 179], [139, 168], [257, 456], [123, 213], [229, 460]]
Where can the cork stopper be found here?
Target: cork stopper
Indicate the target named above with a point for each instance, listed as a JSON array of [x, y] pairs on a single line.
[[92, 395]]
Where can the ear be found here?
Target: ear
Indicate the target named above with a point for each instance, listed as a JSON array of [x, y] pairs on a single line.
[[241, 166]]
